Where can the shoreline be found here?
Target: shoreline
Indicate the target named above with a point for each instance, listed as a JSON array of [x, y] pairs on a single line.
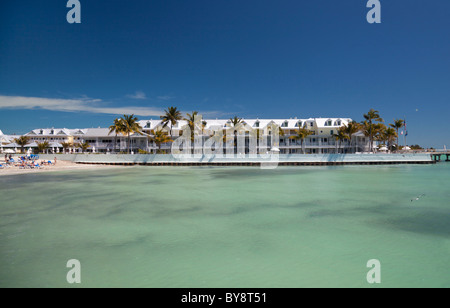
[[61, 165], [89, 162]]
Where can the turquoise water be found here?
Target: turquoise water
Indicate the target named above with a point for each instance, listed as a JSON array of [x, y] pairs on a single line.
[[227, 227]]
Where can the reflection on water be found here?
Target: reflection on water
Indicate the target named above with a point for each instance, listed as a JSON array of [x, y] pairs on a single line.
[[226, 226]]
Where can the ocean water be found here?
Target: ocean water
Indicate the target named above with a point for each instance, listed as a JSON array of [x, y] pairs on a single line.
[[227, 227]]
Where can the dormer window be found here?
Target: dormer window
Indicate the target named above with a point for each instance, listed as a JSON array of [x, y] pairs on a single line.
[[285, 124], [41, 132], [257, 124], [148, 125], [338, 123], [329, 123], [52, 132], [298, 124]]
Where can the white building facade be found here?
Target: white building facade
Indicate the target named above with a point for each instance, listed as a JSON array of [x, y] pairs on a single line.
[[321, 141]]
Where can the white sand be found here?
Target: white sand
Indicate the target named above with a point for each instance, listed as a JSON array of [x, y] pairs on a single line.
[[59, 166]]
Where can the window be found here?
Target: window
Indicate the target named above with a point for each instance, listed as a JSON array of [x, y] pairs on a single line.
[[298, 124], [338, 123], [41, 132], [257, 124], [311, 124], [148, 125], [331, 132], [328, 123], [285, 124]]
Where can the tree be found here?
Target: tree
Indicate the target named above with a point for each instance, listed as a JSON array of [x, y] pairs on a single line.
[[22, 141], [159, 138], [130, 126], [172, 115], [389, 135], [235, 122], [83, 146], [340, 136], [370, 117], [191, 122], [66, 145], [301, 134], [43, 146], [351, 129], [416, 147], [398, 124], [378, 132], [117, 128]]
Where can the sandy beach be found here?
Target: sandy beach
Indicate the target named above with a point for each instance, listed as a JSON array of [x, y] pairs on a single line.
[[59, 166]]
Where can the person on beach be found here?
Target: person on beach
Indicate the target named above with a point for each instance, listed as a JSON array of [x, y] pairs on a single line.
[[55, 161]]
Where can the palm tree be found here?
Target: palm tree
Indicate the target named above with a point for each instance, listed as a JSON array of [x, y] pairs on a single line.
[[22, 141], [378, 131], [389, 135], [398, 124], [370, 117], [159, 138], [235, 122], [191, 122], [172, 116], [302, 134], [66, 145], [117, 128], [130, 126], [340, 136], [83, 146], [351, 129], [43, 146]]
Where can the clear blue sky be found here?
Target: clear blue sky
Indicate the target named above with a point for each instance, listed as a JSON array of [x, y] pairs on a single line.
[[251, 58]]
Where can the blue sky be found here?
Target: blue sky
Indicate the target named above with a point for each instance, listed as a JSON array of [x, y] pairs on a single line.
[[266, 59]]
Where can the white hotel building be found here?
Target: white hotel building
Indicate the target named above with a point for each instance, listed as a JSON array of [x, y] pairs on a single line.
[[322, 140]]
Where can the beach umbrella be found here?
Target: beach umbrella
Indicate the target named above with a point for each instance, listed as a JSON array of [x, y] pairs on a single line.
[[275, 149], [383, 148]]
